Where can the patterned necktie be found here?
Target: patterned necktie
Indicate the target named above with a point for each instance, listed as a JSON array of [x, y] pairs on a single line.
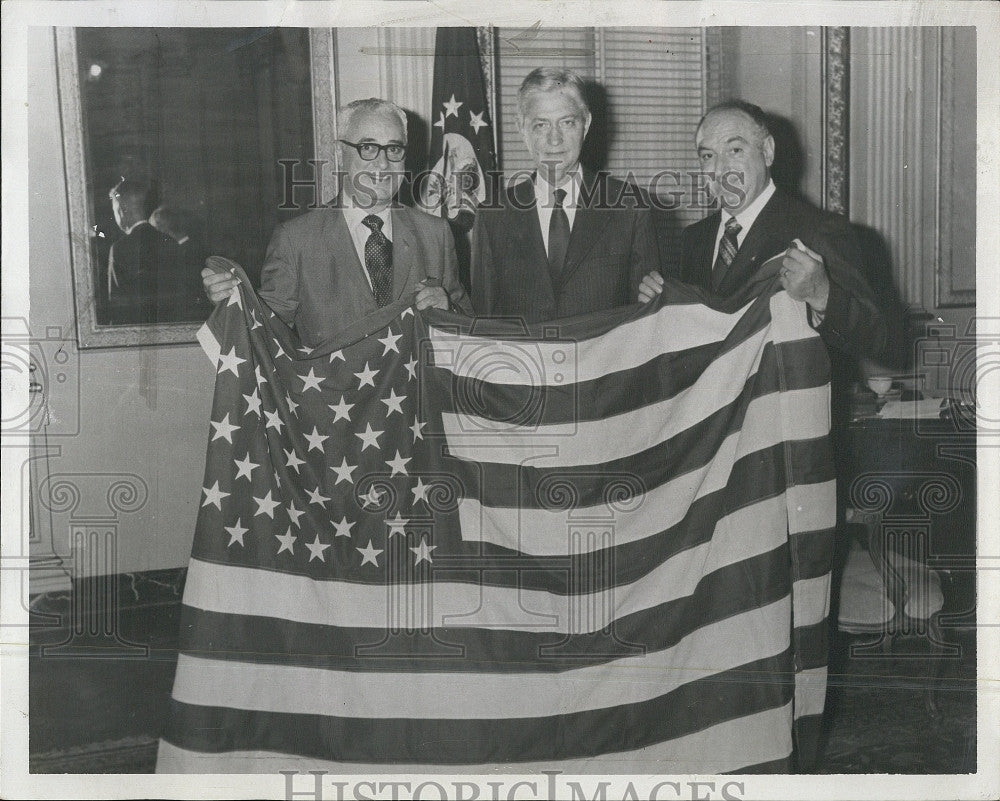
[[378, 260], [558, 236], [727, 250]]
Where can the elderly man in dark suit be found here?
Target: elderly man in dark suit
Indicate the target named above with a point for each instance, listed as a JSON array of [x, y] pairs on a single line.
[[328, 270], [564, 241], [822, 261]]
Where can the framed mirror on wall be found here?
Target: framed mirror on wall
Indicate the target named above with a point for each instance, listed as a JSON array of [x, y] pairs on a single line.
[[175, 140]]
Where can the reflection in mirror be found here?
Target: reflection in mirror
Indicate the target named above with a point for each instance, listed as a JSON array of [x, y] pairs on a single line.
[[182, 131]]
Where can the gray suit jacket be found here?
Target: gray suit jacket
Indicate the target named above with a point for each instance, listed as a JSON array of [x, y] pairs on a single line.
[[312, 277]]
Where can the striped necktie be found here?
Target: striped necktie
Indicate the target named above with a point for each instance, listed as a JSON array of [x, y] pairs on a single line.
[[727, 251]]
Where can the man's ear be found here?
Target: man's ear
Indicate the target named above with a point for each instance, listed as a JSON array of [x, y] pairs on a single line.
[[586, 124], [768, 148]]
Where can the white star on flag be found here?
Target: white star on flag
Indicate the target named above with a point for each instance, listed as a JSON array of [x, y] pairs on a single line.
[[419, 490], [366, 376], [292, 405], [245, 467], [230, 361], [371, 498], [281, 351], [287, 541], [292, 460], [265, 505], [476, 121], [236, 532], [369, 555], [306, 350], [389, 343], [311, 381], [316, 497], [397, 525], [340, 410], [273, 420], [316, 439], [234, 298], [259, 375], [224, 429], [407, 312], [337, 354], [398, 464], [255, 323], [416, 428], [369, 437], [294, 514], [411, 368], [440, 122], [316, 549], [344, 472], [214, 495], [394, 403], [343, 528], [451, 106], [423, 551], [253, 403]]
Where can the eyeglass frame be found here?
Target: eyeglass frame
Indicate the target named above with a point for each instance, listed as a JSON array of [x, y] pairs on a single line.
[[379, 149]]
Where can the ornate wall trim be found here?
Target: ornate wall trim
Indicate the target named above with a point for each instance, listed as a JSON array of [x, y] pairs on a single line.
[[836, 118]]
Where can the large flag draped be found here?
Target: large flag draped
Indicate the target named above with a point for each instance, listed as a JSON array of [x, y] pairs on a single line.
[[459, 546]]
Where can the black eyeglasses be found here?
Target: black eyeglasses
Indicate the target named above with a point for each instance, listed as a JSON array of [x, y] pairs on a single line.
[[369, 150]]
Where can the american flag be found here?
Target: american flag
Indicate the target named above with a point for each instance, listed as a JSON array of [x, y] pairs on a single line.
[[601, 545]]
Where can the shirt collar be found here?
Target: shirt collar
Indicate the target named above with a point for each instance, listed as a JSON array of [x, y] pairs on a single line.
[[135, 225], [354, 216], [570, 182], [748, 216]]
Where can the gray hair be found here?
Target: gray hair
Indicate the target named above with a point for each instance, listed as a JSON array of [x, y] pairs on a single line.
[[371, 105], [548, 79]]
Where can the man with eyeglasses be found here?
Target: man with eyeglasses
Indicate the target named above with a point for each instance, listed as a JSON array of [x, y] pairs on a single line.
[[326, 271], [564, 240]]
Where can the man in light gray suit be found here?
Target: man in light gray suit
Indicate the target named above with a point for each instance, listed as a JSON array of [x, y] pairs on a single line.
[[327, 271]]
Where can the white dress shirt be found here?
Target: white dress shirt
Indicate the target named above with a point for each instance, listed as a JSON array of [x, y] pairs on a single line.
[[545, 200], [360, 232], [745, 218]]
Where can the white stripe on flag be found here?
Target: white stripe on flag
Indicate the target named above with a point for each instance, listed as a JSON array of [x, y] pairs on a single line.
[[209, 344], [812, 507], [810, 691], [723, 748], [478, 439], [810, 600], [727, 644], [789, 319], [227, 589], [541, 363]]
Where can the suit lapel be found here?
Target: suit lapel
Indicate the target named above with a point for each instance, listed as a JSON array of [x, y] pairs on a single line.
[[404, 248], [337, 237], [524, 233], [700, 266], [586, 230], [761, 243]]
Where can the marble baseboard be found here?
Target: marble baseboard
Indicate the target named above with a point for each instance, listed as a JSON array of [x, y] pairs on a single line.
[[136, 590]]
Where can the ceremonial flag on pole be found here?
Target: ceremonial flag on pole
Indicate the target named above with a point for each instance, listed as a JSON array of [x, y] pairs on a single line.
[[456, 545], [462, 150]]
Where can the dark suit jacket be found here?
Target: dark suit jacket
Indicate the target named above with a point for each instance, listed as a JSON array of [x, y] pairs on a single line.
[[143, 262], [313, 279], [610, 249], [853, 324]]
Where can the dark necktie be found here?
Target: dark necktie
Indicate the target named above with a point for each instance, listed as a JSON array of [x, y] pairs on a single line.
[[727, 251], [558, 236], [378, 260]]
